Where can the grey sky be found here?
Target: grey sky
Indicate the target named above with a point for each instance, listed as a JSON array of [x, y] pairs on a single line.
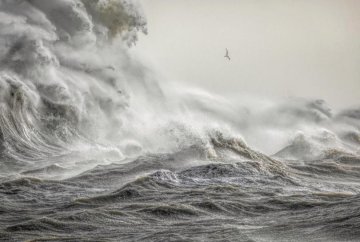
[[308, 48]]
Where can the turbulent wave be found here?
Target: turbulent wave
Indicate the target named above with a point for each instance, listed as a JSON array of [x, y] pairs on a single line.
[[57, 85], [94, 147]]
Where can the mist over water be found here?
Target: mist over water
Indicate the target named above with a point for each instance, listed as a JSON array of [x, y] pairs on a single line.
[[96, 147]]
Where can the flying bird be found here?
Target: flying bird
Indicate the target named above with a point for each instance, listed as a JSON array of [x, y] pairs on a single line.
[[227, 54]]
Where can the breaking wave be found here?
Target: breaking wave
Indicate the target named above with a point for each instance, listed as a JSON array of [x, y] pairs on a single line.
[[86, 122]]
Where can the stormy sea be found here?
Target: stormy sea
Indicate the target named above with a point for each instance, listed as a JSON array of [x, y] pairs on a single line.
[[94, 146]]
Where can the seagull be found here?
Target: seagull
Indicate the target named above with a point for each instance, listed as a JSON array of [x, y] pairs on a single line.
[[227, 54]]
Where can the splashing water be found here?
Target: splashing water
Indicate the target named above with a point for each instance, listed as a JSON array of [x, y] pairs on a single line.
[[99, 148]]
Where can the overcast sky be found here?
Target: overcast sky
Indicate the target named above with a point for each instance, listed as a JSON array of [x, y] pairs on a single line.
[[307, 48]]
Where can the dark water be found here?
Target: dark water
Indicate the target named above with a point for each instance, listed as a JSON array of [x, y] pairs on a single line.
[[176, 197]]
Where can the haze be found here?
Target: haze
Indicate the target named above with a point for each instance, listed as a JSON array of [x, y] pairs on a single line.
[[278, 48]]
